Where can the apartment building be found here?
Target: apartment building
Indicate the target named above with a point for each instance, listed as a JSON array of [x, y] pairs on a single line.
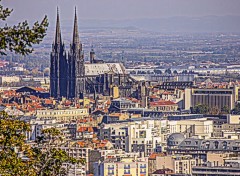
[[62, 114], [144, 136], [121, 166], [116, 133], [138, 135], [179, 164]]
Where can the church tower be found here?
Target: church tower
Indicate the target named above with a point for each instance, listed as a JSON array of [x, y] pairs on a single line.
[[92, 56], [76, 66], [58, 69]]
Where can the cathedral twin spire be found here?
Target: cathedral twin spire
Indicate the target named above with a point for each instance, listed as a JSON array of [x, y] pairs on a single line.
[[58, 37], [67, 73], [76, 40]]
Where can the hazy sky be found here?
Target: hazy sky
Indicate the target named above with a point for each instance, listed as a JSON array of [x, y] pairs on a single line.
[[120, 9]]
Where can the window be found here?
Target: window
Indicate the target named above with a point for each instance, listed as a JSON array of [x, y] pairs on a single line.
[[126, 171], [216, 143]]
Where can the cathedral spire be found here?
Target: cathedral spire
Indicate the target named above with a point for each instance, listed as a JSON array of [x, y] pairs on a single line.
[[75, 30], [58, 39]]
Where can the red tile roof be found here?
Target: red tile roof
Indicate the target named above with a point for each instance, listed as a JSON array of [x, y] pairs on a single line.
[[163, 103], [154, 155], [85, 129]]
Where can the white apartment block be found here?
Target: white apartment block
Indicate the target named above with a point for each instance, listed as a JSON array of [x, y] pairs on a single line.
[[143, 136]]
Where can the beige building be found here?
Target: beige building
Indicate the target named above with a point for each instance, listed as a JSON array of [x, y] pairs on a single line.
[[122, 167], [217, 159], [163, 105], [179, 164], [152, 162], [9, 79], [62, 114], [213, 98], [202, 128], [233, 119]]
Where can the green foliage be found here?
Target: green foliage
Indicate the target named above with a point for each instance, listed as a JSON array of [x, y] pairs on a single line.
[[168, 71], [236, 110], [157, 71], [200, 109], [214, 111], [175, 72], [12, 132], [20, 159], [225, 110], [20, 38], [50, 158]]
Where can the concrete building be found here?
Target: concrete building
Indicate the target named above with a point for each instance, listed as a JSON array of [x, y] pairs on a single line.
[[121, 166], [179, 164], [230, 166], [213, 98], [116, 133], [144, 136]]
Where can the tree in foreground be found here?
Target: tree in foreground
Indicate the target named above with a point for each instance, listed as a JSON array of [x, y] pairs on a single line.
[[21, 37], [45, 158], [12, 145]]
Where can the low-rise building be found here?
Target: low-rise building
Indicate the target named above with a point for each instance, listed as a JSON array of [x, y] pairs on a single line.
[[9, 79], [62, 114]]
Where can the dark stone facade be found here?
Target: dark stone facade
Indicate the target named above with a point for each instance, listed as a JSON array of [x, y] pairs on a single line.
[[67, 75]]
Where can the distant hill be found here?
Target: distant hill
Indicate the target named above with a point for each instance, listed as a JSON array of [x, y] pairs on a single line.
[[172, 24]]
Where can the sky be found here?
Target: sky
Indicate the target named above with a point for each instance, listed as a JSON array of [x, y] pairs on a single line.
[[120, 9]]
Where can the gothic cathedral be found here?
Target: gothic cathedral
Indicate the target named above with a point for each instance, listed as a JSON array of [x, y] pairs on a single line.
[[67, 72]]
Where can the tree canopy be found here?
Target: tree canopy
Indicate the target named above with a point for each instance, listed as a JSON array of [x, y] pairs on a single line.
[[236, 110], [20, 38], [168, 71], [45, 158], [200, 109]]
